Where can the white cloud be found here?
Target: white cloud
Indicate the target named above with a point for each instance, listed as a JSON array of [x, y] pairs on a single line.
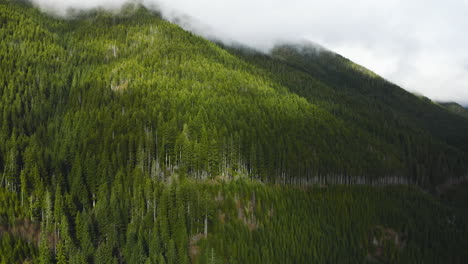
[[418, 44]]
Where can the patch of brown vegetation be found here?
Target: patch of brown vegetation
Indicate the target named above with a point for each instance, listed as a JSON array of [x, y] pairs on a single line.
[[245, 213], [25, 229], [382, 241], [121, 87], [194, 249], [222, 217], [270, 212]]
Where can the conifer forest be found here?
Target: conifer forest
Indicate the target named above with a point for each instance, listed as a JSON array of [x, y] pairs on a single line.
[[127, 139]]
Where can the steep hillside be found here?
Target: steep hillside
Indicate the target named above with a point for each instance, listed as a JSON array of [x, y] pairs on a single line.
[[418, 130], [240, 222], [134, 90], [121, 135], [456, 108], [340, 73]]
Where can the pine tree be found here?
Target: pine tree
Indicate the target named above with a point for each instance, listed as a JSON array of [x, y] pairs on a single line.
[[45, 254], [171, 253]]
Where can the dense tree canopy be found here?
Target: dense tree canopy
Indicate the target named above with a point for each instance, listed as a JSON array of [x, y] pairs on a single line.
[[109, 121]]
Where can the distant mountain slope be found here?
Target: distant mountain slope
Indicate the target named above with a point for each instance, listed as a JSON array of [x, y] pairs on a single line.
[[368, 103], [456, 108], [340, 73]]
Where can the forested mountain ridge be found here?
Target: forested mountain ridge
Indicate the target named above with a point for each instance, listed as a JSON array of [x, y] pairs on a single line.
[[456, 108], [108, 121], [145, 87], [415, 112], [373, 106]]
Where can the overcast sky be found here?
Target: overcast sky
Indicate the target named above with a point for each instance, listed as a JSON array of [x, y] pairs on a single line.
[[419, 44]]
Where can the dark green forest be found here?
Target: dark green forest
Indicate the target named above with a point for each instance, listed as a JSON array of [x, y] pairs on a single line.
[[456, 108], [126, 139]]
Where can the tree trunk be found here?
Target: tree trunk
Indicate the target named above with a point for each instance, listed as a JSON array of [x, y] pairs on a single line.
[[206, 225]]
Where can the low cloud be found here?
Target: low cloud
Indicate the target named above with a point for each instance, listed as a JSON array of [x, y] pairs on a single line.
[[420, 45]]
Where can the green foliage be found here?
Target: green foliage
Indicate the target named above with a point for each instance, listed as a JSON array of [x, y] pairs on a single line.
[[16, 242], [15, 250], [250, 223], [332, 224], [456, 108], [107, 92], [45, 254], [108, 122]]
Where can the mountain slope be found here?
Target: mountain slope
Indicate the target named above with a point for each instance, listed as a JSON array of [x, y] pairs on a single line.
[[340, 73], [125, 139], [147, 88], [418, 129], [456, 108], [245, 223]]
